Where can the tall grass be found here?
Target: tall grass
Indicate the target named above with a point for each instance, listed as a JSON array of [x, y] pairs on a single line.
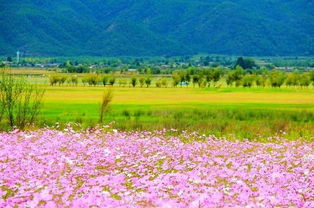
[[230, 122], [106, 99], [253, 124]]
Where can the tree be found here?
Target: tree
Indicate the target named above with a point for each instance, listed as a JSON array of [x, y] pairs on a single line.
[[260, 80], [200, 81], [76, 69], [238, 73], [245, 63], [248, 80], [104, 80], [85, 80], [208, 79], [305, 80], [134, 81], [122, 82], [164, 82], [142, 81], [62, 80], [91, 79], [73, 80], [147, 71], [182, 75], [292, 79], [216, 75], [20, 101], [176, 79], [53, 79], [112, 80], [229, 79], [158, 83], [187, 78], [235, 76], [277, 78], [148, 81], [195, 79], [312, 75], [9, 59], [240, 62]]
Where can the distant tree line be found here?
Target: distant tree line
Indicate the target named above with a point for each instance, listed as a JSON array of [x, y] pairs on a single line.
[[239, 77], [195, 77], [157, 65]]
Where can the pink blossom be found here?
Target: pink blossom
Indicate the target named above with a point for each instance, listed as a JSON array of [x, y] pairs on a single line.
[[103, 168]]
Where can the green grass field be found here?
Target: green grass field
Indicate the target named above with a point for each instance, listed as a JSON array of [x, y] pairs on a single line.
[[253, 113], [231, 112]]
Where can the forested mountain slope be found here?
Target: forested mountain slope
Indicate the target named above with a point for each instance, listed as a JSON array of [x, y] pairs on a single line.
[[157, 27]]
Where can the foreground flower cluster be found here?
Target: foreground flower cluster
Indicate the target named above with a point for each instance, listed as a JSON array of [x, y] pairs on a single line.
[[49, 168]]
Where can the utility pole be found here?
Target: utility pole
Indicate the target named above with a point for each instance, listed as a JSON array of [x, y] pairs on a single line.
[[17, 56]]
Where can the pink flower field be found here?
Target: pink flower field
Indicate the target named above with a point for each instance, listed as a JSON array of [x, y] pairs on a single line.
[[49, 168]]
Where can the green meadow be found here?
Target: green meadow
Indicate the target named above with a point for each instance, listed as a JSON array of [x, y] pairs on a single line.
[[252, 113]]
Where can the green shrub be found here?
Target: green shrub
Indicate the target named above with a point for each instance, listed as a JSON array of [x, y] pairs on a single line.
[[164, 82], [104, 80], [248, 80], [20, 101], [133, 81], [158, 83], [148, 81], [277, 78], [142, 81], [112, 80], [54, 79]]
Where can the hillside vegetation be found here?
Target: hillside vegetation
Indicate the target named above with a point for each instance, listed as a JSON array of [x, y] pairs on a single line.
[[157, 27]]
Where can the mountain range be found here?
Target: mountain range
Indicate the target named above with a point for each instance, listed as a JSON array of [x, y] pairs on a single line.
[[157, 27]]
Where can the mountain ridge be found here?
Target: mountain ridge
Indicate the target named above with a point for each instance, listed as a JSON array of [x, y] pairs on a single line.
[[157, 27]]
